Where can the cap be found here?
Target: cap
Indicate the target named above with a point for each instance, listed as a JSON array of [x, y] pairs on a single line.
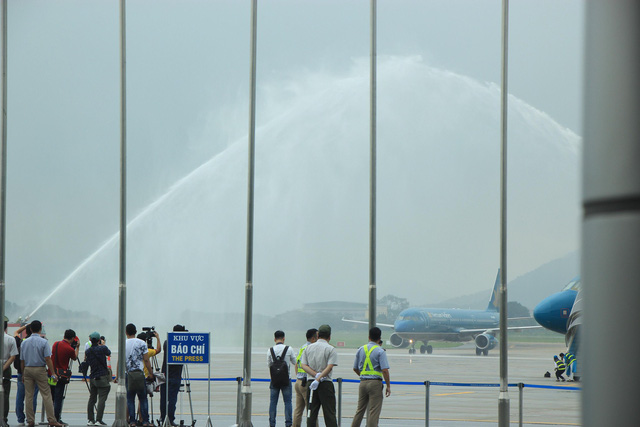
[[94, 335], [325, 330], [179, 328], [555, 357]]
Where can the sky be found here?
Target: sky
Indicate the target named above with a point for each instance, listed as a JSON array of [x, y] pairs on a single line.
[[187, 108]]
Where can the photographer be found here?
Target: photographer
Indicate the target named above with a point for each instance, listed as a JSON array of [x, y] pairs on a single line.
[[61, 353], [173, 380], [100, 386], [147, 336]]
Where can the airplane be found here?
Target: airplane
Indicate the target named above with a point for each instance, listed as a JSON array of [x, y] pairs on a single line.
[[554, 311], [562, 313], [455, 325]]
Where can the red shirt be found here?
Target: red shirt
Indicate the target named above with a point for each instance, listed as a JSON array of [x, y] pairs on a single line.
[[61, 353]]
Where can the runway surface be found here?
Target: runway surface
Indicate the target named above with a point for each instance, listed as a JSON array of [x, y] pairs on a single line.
[[448, 405]]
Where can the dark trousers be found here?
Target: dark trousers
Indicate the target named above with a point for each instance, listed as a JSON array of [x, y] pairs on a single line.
[[174, 388], [325, 396], [6, 385], [559, 374], [57, 393]]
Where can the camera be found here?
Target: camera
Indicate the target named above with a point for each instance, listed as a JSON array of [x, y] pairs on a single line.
[[149, 333], [74, 342]]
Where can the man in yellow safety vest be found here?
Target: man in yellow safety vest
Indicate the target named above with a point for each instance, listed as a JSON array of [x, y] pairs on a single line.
[[372, 366], [302, 391]]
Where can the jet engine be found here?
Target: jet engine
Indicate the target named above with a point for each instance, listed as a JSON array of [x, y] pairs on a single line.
[[485, 342], [397, 341]]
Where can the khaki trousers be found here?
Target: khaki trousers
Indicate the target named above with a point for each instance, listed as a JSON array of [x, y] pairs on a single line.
[[37, 375], [302, 397], [369, 400]]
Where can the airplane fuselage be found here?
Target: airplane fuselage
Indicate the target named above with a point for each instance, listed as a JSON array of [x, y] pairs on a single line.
[[437, 324]]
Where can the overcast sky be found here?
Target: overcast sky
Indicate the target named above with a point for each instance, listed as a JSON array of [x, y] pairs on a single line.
[[187, 101]]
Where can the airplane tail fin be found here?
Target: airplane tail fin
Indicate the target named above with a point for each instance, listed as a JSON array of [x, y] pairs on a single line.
[[494, 302]]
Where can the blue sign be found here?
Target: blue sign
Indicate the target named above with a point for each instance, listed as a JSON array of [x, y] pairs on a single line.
[[187, 347]]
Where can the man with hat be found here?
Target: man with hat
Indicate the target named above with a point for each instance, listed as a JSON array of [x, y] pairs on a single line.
[[100, 378], [318, 361], [173, 379]]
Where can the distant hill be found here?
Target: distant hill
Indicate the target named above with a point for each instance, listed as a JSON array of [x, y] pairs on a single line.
[[528, 289]]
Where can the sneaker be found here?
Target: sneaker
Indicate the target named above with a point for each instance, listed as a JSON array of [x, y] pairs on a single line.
[[63, 423], [99, 423], [91, 423]]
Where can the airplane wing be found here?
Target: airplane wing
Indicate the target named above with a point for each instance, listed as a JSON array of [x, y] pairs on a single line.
[[497, 329], [366, 323]]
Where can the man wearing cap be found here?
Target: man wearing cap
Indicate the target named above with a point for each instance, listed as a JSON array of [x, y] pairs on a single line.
[[318, 361], [371, 366], [61, 352], [10, 353], [100, 387], [174, 379], [35, 356]]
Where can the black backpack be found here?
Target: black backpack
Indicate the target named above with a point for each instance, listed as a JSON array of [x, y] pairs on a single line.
[[279, 370]]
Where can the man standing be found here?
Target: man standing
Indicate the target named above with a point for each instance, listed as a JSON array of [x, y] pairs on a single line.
[[278, 358], [372, 366], [35, 356], [10, 353], [173, 379], [100, 386], [318, 360], [61, 353], [18, 365], [137, 358], [301, 387]]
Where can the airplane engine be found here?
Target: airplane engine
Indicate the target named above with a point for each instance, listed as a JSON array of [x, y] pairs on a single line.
[[397, 341], [486, 342]]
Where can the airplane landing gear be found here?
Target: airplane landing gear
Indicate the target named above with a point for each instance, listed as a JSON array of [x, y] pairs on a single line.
[[484, 352], [412, 350], [426, 348]]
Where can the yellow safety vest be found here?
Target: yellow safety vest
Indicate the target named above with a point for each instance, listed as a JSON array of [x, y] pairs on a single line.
[[300, 370], [561, 366], [367, 368], [570, 358]]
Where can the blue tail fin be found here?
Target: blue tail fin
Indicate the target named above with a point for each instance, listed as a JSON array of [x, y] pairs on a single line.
[[494, 303]]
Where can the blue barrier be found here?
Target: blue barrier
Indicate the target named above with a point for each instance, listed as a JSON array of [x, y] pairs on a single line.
[[433, 383]]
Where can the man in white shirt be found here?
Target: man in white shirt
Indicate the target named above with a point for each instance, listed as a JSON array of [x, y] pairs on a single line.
[[137, 358], [281, 356], [10, 353], [318, 361]]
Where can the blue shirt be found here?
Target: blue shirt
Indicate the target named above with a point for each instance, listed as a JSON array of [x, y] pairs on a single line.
[[378, 360], [33, 351]]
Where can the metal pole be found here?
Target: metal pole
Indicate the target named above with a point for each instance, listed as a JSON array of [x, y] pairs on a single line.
[[3, 188], [372, 201], [503, 398], [245, 420], [121, 391], [239, 380], [611, 206], [427, 385], [339, 402], [520, 403]]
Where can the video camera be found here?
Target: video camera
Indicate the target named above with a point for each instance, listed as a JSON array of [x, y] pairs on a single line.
[[149, 334]]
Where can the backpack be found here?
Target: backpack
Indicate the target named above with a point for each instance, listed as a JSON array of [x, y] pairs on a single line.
[[279, 370]]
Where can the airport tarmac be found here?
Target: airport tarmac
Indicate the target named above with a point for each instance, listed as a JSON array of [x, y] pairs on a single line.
[[448, 405]]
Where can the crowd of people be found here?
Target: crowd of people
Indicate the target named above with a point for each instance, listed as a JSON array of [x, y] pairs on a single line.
[[45, 369], [314, 387]]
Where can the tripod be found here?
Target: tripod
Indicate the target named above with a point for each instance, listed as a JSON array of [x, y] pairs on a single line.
[[184, 379]]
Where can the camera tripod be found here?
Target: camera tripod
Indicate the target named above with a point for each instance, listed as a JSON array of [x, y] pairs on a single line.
[[186, 380]]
